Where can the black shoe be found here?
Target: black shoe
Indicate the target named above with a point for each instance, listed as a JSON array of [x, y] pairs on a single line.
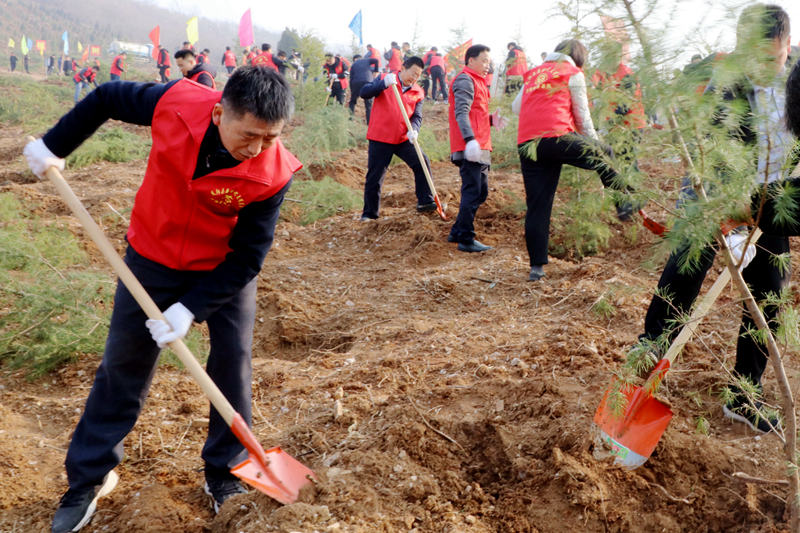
[[537, 273], [754, 415], [425, 208], [473, 246], [222, 488], [76, 507], [625, 211], [450, 238]]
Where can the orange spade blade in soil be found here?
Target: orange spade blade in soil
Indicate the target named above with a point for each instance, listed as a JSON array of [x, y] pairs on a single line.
[[274, 472], [439, 208], [631, 436]]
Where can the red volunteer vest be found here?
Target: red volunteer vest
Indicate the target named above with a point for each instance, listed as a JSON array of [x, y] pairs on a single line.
[[635, 117], [395, 62], [546, 109], [230, 59], [251, 56], [386, 124], [86, 74], [337, 69], [520, 64], [264, 59], [437, 61], [478, 115], [117, 65], [372, 52], [196, 77], [186, 224]]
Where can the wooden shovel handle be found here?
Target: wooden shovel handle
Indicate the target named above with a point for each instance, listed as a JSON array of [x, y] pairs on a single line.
[[139, 293]]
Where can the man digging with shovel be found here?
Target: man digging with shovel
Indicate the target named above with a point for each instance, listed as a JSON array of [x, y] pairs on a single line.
[[202, 223]]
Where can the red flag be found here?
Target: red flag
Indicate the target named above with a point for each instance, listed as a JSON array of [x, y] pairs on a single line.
[[94, 50], [246, 30], [85, 55], [155, 36], [456, 55]]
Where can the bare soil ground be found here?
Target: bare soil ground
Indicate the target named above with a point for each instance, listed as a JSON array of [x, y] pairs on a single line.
[[467, 392]]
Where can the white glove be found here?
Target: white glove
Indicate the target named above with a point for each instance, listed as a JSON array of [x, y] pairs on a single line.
[[40, 158], [390, 79], [498, 121], [327, 89], [179, 320], [735, 242], [412, 135], [473, 152]]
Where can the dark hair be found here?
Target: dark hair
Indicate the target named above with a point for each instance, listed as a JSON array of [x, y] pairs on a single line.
[[434, 49], [183, 53], [357, 56], [123, 53], [474, 51], [186, 42], [406, 43], [512, 44], [281, 53], [265, 47], [414, 60], [206, 51], [394, 43], [793, 100], [328, 54], [262, 92], [227, 48], [574, 49], [761, 22]]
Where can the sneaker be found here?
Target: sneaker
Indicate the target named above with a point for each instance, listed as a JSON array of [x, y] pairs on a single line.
[[755, 416], [222, 488], [473, 246], [76, 507], [537, 273], [366, 219], [625, 211], [425, 208]]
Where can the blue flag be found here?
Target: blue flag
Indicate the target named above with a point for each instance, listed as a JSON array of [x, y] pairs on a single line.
[[355, 26], [65, 38]]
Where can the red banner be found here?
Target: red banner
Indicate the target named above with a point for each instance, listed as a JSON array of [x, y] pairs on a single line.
[[94, 50], [455, 58], [41, 46], [155, 36]]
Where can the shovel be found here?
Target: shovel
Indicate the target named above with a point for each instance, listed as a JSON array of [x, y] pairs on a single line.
[[632, 434], [274, 472], [439, 208]]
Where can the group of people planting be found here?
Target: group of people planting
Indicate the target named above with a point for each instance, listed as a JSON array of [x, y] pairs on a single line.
[[205, 215]]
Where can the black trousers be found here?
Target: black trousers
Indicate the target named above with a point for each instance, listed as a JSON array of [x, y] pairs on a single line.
[[541, 181], [379, 155], [337, 92], [129, 362], [355, 89], [437, 82], [474, 191], [163, 73], [681, 289]]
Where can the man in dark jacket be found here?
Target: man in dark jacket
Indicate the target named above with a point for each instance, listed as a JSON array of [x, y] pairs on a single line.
[[362, 71], [227, 146]]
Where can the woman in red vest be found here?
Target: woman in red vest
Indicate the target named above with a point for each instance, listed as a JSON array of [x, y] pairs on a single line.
[[555, 128], [388, 135]]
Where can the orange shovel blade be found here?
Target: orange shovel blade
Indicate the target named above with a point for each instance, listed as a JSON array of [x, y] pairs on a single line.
[[439, 208], [282, 479], [632, 435]]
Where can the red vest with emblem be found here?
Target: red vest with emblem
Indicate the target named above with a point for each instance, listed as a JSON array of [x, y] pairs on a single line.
[[478, 115], [85, 75], [264, 59], [396, 61], [251, 56], [337, 68], [520, 64], [117, 65], [437, 61], [546, 108], [229, 59], [196, 77], [387, 124], [184, 223]]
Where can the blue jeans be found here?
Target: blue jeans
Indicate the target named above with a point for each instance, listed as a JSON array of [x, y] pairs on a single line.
[[129, 363], [79, 85]]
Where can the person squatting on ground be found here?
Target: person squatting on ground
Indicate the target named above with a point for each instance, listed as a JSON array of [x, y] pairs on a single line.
[[196, 249], [83, 78], [118, 66], [389, 136], [471, 143], [336, 71], [750, 110], [555, 128], [203, 74], [362, 72]]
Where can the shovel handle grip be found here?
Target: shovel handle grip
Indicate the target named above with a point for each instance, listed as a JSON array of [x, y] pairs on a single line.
[[218, 400]]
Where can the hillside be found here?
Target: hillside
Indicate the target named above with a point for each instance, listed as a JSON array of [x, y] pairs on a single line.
[[100, 22]]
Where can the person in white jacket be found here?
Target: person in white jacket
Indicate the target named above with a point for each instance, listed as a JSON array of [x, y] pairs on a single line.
[[555, 128]]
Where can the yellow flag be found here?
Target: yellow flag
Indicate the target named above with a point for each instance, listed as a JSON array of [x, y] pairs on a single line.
[[11, 42], [23, 45], [191, 30], [80, 47]]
